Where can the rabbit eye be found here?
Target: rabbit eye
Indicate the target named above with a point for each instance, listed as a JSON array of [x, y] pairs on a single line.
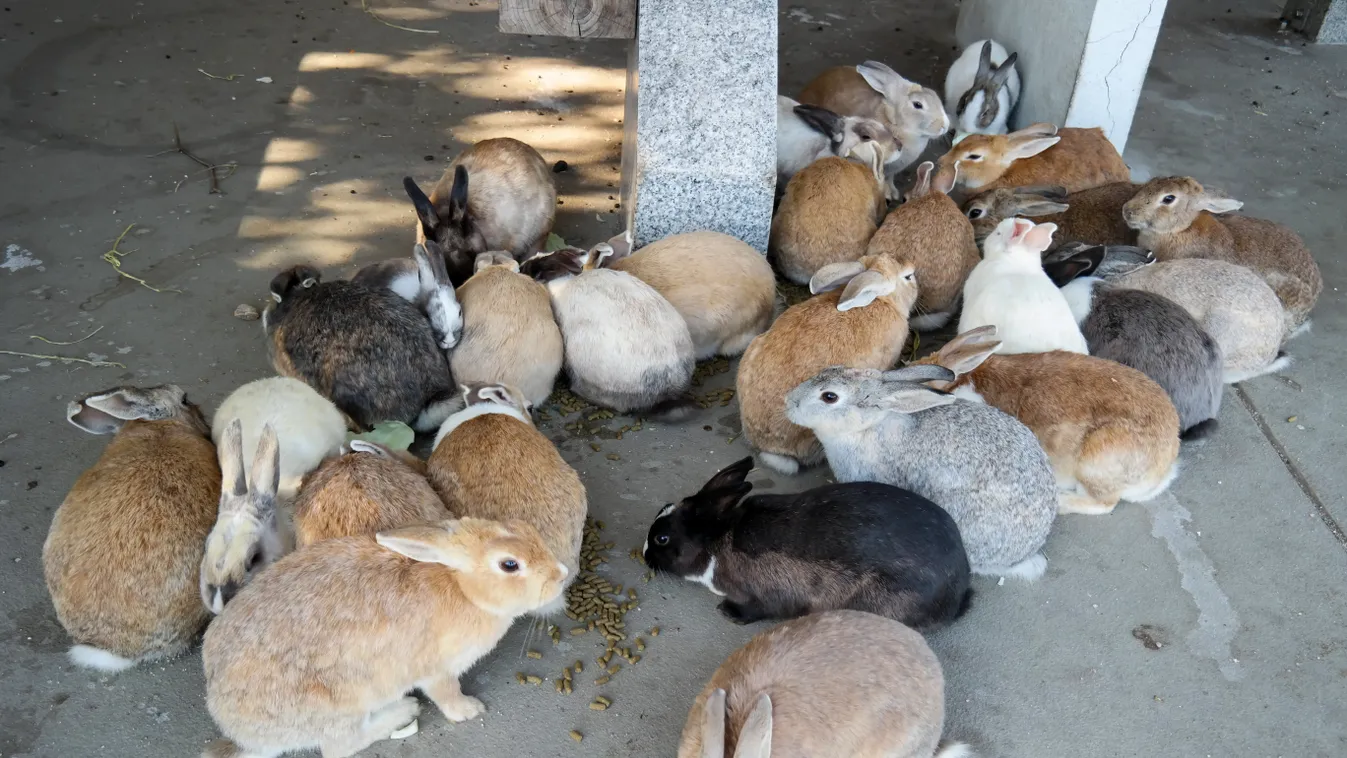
[[254, 559], [917, 105], [865, 138], [509, 565], [975, 213], [829, 397], [662, 539], [974, 157], [1168, 199]]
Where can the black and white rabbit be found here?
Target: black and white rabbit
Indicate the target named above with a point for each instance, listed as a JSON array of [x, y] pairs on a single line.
[[862, 546]]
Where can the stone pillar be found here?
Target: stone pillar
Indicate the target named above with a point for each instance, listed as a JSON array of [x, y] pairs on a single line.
[[1324, 21], [699, 148], [1082, 62]]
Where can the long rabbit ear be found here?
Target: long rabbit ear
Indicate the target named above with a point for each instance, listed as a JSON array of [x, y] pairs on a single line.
[[755, 739], [926, 372], [458, 198], [968, 350], [1004, 70], [266, 463], [713, 725], [834, 275], [1027, 148], [883, 79], [231, 459], [1215, 201], [822, 120], [908, 397], [865, 288], [425, 210], [984, 62]]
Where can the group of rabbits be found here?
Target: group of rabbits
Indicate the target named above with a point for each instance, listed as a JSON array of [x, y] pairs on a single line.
[[341, 575]]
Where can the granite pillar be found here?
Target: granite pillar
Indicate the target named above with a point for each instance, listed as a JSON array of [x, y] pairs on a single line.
[[1324, 21], [699, 148]]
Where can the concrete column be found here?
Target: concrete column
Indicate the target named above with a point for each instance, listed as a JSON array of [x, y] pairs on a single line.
[[1324, 21], [1082, 62], [699, 148]]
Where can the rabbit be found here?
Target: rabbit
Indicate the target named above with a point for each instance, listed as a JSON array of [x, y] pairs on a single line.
[[125, 543], [498, 194], [1092, 216], [322, 650], [864, 324], [864, 546], [627, 348], [423, 281], [1109, 431], [490, 462], [930, 232], [1150, 334], [1008, 289], [253, 528], [913, 113], [509, 334], [806, 133], [366, 489], [982, 88], [367, 350], [828, 214], [1176, 217], [839, 683], [724, 289], [978, 463], [1231, 303], [1039, 154]]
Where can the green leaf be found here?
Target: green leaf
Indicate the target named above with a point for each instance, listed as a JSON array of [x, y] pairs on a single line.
[[393, 435], [554, 243]]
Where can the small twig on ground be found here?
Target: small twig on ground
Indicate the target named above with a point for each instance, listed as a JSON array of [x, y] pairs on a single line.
[[76, 342], [210, 167], [114, 256], [364, 4], [63, 358], [228, 78], [232, 166], [9, 437]]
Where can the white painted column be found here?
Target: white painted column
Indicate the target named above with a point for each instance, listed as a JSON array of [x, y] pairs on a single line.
[[1082, 62]]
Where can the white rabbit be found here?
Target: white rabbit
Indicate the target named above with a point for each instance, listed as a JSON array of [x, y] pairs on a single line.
[[982, 88], [1009, 290]]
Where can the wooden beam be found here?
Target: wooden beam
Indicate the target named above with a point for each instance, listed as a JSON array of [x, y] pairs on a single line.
[[587, 19]]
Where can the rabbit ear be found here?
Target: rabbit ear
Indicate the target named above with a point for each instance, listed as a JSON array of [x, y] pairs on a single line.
[[863, 289], [883, 79], [1003, 71], [755, 738], [1215, 201], [984, 62], [713, 725], [266, 471], [427, 543], [1037, 129], [1039, 237], [732, 477], [945, 181], [231, 459], [968, 350], [1033, 205], [822, 120], [105, 412], [926, 372], [373, 448], [834, 275], [908, 397], [458, 197], [425, 270], [476, 393], [1029, 147], [622, 244], [922, 184], [425, 210]]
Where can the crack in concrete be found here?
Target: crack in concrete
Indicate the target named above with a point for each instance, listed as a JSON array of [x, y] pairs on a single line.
[[1108, 89]]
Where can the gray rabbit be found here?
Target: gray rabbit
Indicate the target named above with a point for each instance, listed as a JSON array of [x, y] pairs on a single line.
[[984, 467]]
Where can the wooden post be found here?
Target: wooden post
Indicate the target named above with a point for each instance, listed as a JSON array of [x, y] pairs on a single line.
[[587, 19]]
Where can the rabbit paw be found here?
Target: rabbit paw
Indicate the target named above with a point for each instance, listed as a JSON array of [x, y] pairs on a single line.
[[461, 708], [741, 613]]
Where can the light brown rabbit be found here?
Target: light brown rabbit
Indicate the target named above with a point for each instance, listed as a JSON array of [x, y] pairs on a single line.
[[366, 490], [125, 545], [839, 683], [509, 334], [1040, 154], [1176, 217], [931, 233], [497, 195], [1110, 432], [322, 650], [724, 289], [1092, 216], [828, 214], [863, 326], [490, 462]]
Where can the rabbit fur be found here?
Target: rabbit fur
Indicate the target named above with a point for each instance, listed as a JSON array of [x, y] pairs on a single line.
[[1009, 290], [841, 683], [982, 88], [806, 133], [1037, 155], [1093, 216], [978, 463], [828, 214], [863, 323], [423, 281], [121, 556]]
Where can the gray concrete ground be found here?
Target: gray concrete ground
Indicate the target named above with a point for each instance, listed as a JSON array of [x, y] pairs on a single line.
[[1207, 623]]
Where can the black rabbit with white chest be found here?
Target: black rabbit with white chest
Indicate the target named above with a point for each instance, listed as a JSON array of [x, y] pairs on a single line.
[[862, 546]]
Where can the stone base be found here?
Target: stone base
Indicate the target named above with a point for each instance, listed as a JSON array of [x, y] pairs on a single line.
[[1324, 21]]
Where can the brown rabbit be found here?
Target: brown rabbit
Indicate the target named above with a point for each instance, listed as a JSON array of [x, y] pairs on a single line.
[[1093, 216], [1040, 154], [509, 333], [122, 556], [490, 462], [369, 489], [323, 648], [723, 288], [1109, 431], [864, 326], [828, 214], [1176, 217], [931, 233]]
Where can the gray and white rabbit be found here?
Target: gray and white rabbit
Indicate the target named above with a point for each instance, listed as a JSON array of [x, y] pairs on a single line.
[[422, 280], [981, 89], [983, 466], [805, 133]]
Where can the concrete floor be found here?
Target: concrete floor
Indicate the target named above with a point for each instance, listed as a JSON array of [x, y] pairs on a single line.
[[1206, 623]]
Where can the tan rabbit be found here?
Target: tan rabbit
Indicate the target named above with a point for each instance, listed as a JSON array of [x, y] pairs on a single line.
[[1110, 432], [864, 326], [724, 289], [839, 683], [509, 334], [1176, 217], [930, 232], [828, 214], [490, 462], [122, 556], [322, 650], [1040, 154], [1092, 216], [368, 489]]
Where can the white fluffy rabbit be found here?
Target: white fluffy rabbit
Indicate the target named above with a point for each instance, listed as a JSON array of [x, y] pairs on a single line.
[[1009, 290], [982, 88]]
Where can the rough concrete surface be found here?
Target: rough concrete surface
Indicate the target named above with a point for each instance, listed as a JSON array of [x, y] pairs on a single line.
[[1206, 623]]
